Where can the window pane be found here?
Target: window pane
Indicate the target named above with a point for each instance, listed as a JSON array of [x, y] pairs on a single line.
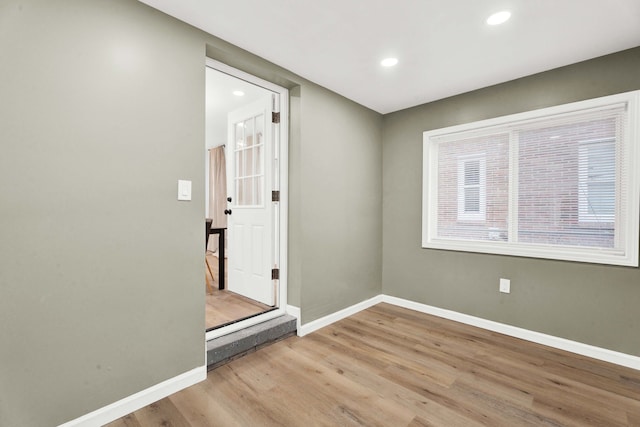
[[472, 199], [259, 160], [239, 144], [601, 201], [249, 166], [239, 135], [249, 191], [259, 129], [472, 172], [240, 167], [597, 179], [248, 129], [259, 190], [473, 203], [240, 192], [565, 183]]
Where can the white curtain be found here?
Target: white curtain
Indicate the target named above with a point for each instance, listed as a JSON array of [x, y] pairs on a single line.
[[217, 192]]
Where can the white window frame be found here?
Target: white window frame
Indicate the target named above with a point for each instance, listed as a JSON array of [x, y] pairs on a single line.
[[627, 218], [481, 214]]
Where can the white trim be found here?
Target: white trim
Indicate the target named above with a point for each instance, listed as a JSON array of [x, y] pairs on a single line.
[[594, 352], [250, 78], [313, 326], [283, 205], [234, 327], [599, 353], [139, 400], [283, 208]]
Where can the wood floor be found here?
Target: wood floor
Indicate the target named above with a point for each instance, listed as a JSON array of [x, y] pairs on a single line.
[[388, 366], [223, 306]]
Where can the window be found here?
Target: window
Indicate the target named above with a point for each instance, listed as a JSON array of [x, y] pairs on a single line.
[[558, 183], [249, 168], [472, 188]]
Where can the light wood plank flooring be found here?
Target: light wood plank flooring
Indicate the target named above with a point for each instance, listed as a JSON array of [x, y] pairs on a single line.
[[388, 366], [223, 306]]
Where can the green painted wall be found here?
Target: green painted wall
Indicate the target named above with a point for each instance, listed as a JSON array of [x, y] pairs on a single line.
[[588, 303], [101, 272]]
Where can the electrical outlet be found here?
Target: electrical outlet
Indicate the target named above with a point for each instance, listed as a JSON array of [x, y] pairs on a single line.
[[505, 286]]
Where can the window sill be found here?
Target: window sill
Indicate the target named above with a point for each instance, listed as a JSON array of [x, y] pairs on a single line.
[[576, 254]]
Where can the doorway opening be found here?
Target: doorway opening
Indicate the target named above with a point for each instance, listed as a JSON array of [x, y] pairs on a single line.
[[246, 169]]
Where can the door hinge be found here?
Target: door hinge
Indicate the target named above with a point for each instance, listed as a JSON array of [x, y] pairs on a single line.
[[275, 196], [275, 274], [275, 117]]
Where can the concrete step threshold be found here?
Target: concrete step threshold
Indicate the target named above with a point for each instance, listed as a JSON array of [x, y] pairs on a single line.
[[236, 344]]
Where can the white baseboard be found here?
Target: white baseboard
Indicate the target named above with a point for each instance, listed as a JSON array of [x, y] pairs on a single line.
[[307, 328], [587, 350], [594, 352], [139, 400]]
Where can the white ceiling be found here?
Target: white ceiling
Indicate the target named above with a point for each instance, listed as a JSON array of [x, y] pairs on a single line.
[[444, 46]]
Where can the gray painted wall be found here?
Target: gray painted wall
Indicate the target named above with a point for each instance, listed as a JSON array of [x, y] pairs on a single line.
[[589, 303], [341, 196], [101, 272], [101, 268]]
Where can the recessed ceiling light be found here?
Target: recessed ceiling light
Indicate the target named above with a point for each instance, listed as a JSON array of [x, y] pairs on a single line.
[[499, 18], [389, 62], [238, 93]]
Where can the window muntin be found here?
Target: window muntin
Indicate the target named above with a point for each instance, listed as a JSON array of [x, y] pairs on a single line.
[[558, 183]]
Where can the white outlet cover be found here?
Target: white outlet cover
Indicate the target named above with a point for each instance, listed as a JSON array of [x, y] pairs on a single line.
[[505, 286]]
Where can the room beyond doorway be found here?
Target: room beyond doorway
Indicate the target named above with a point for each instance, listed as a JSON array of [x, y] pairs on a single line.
[[252, 150], [224, 307]]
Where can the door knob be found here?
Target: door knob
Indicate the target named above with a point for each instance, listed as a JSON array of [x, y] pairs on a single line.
[[229, 199], [227, 211]]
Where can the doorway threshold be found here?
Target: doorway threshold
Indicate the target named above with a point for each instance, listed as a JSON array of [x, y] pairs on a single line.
[[222, 325], [236, 344]]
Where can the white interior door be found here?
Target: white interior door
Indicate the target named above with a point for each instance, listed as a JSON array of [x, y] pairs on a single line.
[[250, 212]]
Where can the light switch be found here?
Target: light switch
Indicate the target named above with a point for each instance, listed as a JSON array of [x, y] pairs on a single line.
[[505, 286], [184, 190]]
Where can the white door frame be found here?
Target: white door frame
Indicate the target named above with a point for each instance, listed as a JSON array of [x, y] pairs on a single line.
[[281, 150]]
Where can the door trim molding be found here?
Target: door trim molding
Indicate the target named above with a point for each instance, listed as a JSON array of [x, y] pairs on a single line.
[[283, 204]]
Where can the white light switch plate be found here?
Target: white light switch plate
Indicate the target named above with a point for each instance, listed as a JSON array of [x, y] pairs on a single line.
[[505, 286], [184, 189]]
